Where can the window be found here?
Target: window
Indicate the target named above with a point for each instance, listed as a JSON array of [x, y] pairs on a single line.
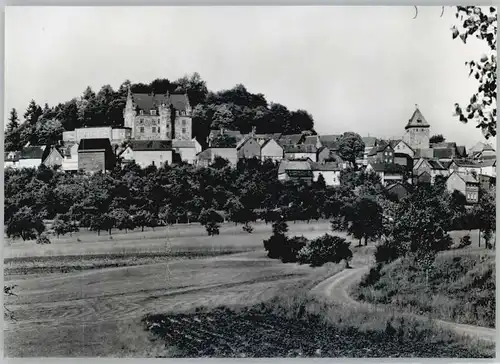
[[168, 126], [142, 129], [183, 130], [161, 156], [183, 122], [141, 112], [153, 121], [153, 112], [158, 129], [154, 129], [141, 120]]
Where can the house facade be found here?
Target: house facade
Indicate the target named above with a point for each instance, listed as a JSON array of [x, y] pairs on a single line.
[[95, 155], [417, 131], [399, 146], [207, 157], [300, 151], [329, 170], [388, 173], [295, 170], [466, 184], [322, 154], [433, 167], [54, 158], [187, 149], [116, 135], [382, 153], [271, 150], [398, 190], [70, 157], [10, 160], [149, 152], [158, 116], [248, 148], [31, 156]]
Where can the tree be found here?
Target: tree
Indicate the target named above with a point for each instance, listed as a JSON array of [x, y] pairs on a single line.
[[438, 138], [211, 219], [145, 218], [484, 214], [63, 225], [25, 224], [12, 136], [483, 103], [223, 141], [48, 131], [326, 248], [351, 147], [366, 219], [222, 118], [122, 219]]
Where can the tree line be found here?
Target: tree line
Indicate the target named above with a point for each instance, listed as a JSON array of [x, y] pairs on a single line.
[[233, 109]]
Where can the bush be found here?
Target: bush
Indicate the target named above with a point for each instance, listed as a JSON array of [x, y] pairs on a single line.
[[212, 228], [292, 247], [42, 239], [465, 241], [248, 228], [326, 248], [275, 245]]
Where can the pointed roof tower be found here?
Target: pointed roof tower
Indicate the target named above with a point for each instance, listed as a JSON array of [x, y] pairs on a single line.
[[417, 120]]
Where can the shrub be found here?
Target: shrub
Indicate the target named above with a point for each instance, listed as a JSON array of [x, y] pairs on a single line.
[[42, 239], [275, 245], [465, 241], [248, 228], [326, 248], [212, 228], [292, 247]]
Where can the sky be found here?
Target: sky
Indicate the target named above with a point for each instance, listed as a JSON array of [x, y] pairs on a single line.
[[360, 69]]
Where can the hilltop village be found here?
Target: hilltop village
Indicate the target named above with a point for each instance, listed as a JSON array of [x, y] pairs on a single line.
[[158, 128]]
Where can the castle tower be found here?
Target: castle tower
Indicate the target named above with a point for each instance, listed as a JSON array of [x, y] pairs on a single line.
[[417, 131], [129, 113]]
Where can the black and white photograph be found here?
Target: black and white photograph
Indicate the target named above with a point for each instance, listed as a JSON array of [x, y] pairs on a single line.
[[250, 181]]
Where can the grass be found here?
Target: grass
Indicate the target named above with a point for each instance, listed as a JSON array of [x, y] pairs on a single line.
[[459, 287], [294, 325]]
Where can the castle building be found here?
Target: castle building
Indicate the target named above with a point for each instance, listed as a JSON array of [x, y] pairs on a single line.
[[158, 117], [417, 131]]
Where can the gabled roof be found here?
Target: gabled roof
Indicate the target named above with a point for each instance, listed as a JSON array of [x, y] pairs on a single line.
[[233, 133], [148, 102], [299, 148], [443, 153], [245, 140], [446, 164], [435, 164], [467, 178], [444, 145], [326, 166], [394, 142], [311, 140], [33, 152], [329, 138], [417, 120], [394, 185], [11, 156], [336, 157], [94, 144], [290, 139], [291, 165], [153, 145], [268, 141], [488, 147], [470, 164], [176, 143], [379, 148]]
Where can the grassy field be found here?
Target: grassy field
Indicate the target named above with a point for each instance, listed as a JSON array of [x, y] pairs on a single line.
[[459, 287], [86, 295]]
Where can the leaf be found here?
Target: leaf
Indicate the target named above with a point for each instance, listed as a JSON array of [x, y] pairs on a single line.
[[455, 32], [492, 9], [463, 37]]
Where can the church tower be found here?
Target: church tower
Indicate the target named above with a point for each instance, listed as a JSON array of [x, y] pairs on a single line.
[[417, 131], [129, 113]]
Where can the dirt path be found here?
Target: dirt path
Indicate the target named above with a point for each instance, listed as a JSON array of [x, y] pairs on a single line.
[[336, 289]]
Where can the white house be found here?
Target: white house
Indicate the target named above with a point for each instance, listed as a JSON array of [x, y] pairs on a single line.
[[329, 170], [400, 146], [270, 149], [148, 152], [187, 149], [300, 151], [32, 156], [466, 184], [70, 157], [388, 173]]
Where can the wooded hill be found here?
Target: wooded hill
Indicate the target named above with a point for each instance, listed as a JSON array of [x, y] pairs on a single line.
[[234, 109]]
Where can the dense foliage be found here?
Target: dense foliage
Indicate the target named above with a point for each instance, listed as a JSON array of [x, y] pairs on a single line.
[[235, 109], [482, 108]]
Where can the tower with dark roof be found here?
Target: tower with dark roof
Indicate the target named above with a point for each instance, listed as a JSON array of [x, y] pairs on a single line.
[[417, 131], [158, 116]]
